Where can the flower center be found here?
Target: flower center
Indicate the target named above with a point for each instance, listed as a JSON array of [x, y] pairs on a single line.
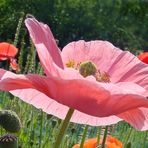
[[88, 68]]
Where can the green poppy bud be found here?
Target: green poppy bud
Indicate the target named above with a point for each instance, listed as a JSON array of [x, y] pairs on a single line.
[[9, 121]]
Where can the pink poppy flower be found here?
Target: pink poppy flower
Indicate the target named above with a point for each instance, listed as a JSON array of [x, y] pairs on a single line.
[[113, 87], [8, 52]]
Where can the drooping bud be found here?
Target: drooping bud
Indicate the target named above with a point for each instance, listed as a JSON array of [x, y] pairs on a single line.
[[87, 68], [9, 121], [8, 141]]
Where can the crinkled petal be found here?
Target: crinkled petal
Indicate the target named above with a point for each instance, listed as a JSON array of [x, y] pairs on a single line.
[[73, 94], [41, 34], [122, 66], [24, 88], [97, 99], [52, 107], [137, 118], [96, 107], [99, 52]]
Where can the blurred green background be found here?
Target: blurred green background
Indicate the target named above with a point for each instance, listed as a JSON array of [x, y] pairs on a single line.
[[122, 22]]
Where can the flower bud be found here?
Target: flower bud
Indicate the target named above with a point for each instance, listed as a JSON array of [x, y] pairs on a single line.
[[9, 121]]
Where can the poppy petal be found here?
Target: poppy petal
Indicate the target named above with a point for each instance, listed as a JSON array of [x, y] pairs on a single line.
[[47, 62], [96, 51], [24, 89], [98, 95], [121, 66], [138, 118], [52, 107], [41, 34], [51, 69], [102, 104]]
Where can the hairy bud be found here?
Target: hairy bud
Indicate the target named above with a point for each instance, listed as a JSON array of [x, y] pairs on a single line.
[[9, 121]]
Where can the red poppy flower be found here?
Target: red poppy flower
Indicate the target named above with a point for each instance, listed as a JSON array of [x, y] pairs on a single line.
[[8, 52], [111, 142], [101, 82], [144, 57]]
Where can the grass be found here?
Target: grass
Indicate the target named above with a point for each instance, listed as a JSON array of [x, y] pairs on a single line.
[[39, 129]]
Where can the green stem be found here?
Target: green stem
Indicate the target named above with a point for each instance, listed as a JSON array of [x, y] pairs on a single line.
[[18, 29], [144, 140], [84, 136], [63, 128], [98, 136], [41, 130], [128, 136], [104, 137]]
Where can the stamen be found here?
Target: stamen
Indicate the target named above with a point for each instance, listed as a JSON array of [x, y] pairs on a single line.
[[88, 68], [102, 77], [71, 64]]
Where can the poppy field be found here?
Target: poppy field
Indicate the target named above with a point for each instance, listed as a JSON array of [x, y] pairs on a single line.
[[79, 93]]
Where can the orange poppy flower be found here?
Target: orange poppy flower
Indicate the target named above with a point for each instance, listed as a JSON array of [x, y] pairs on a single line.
[[144, 57], [8, 52], [111, 142]]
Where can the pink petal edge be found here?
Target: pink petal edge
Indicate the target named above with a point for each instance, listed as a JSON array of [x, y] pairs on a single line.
[[111, 107], [122, 66], [41, 34]]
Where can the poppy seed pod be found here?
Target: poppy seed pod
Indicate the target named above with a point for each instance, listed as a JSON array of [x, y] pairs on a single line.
[[87, 68], [9, 121]]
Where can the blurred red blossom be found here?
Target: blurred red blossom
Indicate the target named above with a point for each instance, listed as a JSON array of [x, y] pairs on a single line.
[[143, 57], [111, 142], [8, 52]]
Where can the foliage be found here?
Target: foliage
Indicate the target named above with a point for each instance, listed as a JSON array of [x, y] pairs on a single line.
[[122, 22]]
